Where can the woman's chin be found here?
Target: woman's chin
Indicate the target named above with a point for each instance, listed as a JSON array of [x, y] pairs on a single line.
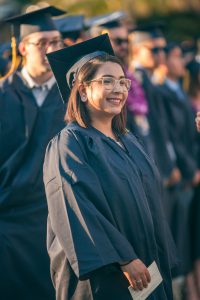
[[114, 112]]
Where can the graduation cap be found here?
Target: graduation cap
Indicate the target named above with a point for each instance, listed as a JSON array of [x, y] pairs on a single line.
[[154, 29], [111, 20], [144, 32], [70, 26], [67, 62], [36, 21]]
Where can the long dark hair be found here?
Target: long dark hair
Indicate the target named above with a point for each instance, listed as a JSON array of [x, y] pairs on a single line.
[[77, 110]]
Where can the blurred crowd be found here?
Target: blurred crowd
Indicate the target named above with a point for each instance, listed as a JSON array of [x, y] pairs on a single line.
[[161, 107]]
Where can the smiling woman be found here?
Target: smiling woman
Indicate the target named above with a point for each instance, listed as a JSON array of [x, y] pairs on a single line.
[[101, 91], [105, 222]]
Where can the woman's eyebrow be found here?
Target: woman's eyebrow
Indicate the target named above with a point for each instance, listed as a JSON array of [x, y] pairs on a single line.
[[108, 75]]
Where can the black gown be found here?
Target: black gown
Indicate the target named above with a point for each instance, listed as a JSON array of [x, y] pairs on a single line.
[[182, 130], [25, 132], [182, 133], [104, 208], [159, 135]]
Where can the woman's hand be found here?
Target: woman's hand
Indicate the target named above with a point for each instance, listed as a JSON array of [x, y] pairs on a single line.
[[137, 274]]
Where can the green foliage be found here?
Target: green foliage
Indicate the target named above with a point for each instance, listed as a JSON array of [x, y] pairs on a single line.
[[182, 17], [179, 26], [88, 7]]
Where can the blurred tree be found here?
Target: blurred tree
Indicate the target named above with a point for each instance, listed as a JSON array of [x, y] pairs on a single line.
[[139, 8], [182, 16]]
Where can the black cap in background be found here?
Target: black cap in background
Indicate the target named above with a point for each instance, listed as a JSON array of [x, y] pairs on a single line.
[[70, 26], [109, 20], [154, 29], [36, 21]]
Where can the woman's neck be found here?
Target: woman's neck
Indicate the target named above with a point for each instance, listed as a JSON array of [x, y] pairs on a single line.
[[105, 126]]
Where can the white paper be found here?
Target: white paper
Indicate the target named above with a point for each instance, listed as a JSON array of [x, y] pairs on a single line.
[[156, 279]]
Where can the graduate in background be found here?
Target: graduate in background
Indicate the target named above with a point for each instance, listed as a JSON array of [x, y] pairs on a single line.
[[105, 222], [142, 63], [183, 136], [158, 50], [179, 114], [31, 113], [71, 28]]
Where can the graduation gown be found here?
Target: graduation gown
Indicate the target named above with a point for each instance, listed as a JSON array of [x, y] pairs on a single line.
[[104, 208], [25, 132], [182, 130], [182, 134], [159, 135]]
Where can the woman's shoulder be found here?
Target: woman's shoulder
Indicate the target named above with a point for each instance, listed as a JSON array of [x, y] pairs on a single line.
[[73, 139], [69, 132]]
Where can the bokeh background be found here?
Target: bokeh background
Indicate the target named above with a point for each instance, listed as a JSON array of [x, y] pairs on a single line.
[[182, 17]]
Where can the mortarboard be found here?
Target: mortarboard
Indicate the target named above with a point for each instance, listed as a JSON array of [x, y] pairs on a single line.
[[154, 29], [70, 26], [108, 21], [144, 32], [67, 62], [36, 21]]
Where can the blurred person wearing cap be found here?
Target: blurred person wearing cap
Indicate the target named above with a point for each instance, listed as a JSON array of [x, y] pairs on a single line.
[[183, 136], [159, 42], [142, 64], [71, 28], [113, 24], [105, 222], [179, 110], [151, 36], [31, 113]]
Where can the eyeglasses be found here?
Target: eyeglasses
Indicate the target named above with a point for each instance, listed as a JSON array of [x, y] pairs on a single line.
[[120, 41], [109, 83], [44, 44]]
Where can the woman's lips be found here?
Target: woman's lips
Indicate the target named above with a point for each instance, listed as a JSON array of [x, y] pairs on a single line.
[[114, 100]]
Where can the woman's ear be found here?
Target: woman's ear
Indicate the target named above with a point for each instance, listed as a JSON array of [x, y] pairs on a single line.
[[82, 92]]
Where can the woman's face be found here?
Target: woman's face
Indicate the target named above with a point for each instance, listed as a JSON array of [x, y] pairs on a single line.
[[102, 101]]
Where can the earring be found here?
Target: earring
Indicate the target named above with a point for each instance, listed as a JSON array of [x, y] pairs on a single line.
[[83, 98]]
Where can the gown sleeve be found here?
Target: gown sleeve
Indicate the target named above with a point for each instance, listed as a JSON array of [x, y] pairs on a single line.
[[79, 211]]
